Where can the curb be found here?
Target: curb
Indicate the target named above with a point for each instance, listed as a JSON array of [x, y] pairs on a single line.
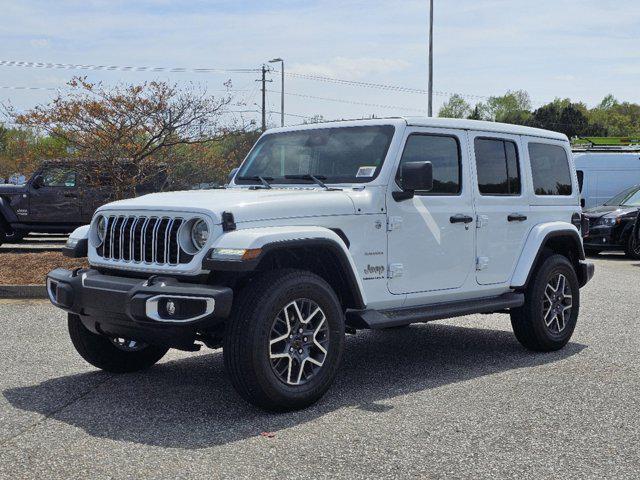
[[23, 291]]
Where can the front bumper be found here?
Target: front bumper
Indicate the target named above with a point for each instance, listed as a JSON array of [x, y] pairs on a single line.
[[140, 309], [587, 270]]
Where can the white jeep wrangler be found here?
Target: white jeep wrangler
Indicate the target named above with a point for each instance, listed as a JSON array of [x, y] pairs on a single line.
[[326, 229]]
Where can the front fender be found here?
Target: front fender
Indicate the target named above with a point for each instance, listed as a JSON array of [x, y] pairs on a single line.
[[535, 243], [7, 215], [268, 238]]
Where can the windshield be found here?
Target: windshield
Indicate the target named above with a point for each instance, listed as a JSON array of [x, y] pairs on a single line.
[[335, 155], [630, 197]]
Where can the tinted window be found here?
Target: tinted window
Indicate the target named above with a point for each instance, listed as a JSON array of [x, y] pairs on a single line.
[[497, 166], [59, 177], [444, 155], [580, 179], [550, 169]]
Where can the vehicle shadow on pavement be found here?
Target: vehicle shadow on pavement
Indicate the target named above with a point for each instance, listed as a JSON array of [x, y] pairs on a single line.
[[189, 403]]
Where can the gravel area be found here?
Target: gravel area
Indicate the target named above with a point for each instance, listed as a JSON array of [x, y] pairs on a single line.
[[457, 399]]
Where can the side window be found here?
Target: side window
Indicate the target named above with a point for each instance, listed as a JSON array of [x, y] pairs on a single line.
[[549, 169], [444, 154], [59, 177], [580, 179], [497, 166]]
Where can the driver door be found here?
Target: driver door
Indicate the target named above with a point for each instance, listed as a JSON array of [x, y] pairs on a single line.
[[431, 236], [56, 201]]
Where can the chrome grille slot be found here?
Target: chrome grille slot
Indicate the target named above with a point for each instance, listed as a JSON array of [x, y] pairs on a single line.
[[142, 239]]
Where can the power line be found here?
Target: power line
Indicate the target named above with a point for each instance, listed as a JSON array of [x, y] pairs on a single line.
[[351, 102], [74, 66]]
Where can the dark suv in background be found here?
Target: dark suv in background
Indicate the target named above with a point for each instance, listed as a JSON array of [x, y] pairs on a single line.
[[56, 199], [611, 225]]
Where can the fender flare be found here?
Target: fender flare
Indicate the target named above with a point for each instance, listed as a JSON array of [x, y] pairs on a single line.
[[268, 239], [536, 241]]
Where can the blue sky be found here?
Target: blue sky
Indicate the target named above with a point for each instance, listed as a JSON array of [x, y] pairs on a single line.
[[564, 48]]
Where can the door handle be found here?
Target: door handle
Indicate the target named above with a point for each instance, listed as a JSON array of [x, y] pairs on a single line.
[[516, 217], [461, 218]]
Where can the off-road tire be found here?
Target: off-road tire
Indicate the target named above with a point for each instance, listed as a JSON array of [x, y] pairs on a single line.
[[248, 332], [528, 321], [101, 352], [631, 248]]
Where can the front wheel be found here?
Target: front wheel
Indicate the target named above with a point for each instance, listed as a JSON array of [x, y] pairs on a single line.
[[548, 317], [115, 355], [632, 248], [284, 341]]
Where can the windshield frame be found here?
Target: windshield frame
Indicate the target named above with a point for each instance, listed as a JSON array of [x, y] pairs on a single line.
[[281, 181]]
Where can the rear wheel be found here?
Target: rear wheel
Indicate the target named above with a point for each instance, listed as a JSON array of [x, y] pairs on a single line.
[[284, 341], [632, 248], [115, 355], [548, 317]]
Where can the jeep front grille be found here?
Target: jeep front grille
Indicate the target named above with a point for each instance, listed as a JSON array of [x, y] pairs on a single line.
[[141, 239]]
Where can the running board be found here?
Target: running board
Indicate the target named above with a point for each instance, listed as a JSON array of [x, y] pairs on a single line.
[[376, 319]]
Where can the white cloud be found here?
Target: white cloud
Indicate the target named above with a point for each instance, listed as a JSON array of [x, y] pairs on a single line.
[[40, 43], [351, 68]]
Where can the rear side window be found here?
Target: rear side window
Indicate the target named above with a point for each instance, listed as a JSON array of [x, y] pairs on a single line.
[[497, 166], [444, 154], [549, 169]]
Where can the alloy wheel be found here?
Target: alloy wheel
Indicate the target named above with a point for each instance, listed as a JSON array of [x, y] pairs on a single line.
[[557, 303], [299, 342]]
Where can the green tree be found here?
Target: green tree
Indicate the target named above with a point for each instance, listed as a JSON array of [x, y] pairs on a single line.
[[455, 107], [512, 107]]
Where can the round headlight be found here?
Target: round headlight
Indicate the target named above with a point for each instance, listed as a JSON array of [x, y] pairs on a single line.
[[101, 229], [199, 234]]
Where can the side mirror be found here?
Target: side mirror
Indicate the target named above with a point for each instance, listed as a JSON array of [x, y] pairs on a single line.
[[415, 176], [232, 174], [38, 182]]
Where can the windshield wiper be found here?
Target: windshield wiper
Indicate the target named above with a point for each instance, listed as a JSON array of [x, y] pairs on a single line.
[[307, 176], [258, 178]]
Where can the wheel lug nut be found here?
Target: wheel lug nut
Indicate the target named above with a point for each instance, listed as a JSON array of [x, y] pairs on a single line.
[[300, 330], [304, 339], [300, 351], [291, 349]]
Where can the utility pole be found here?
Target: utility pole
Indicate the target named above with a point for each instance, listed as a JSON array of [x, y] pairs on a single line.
[[431, 59], [264, 96], [276, 60]]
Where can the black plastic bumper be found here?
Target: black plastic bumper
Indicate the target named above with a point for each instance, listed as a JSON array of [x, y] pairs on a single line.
[[587, 270], [138, 309]]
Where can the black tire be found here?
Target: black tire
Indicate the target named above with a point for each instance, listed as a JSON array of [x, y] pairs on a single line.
[[632, 248], [528, 321], [102, 353], [249, 333]]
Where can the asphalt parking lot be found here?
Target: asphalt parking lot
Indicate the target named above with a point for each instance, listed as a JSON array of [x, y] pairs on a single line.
[[457, 398]]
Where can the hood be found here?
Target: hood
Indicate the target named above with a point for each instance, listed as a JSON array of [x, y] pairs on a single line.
[[8, 189], [246, 205], [603, 210]]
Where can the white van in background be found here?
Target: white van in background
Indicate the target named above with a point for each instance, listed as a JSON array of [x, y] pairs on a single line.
[[603, 173]]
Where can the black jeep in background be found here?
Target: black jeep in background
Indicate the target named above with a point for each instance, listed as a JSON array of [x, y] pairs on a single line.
[[56, 199]]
